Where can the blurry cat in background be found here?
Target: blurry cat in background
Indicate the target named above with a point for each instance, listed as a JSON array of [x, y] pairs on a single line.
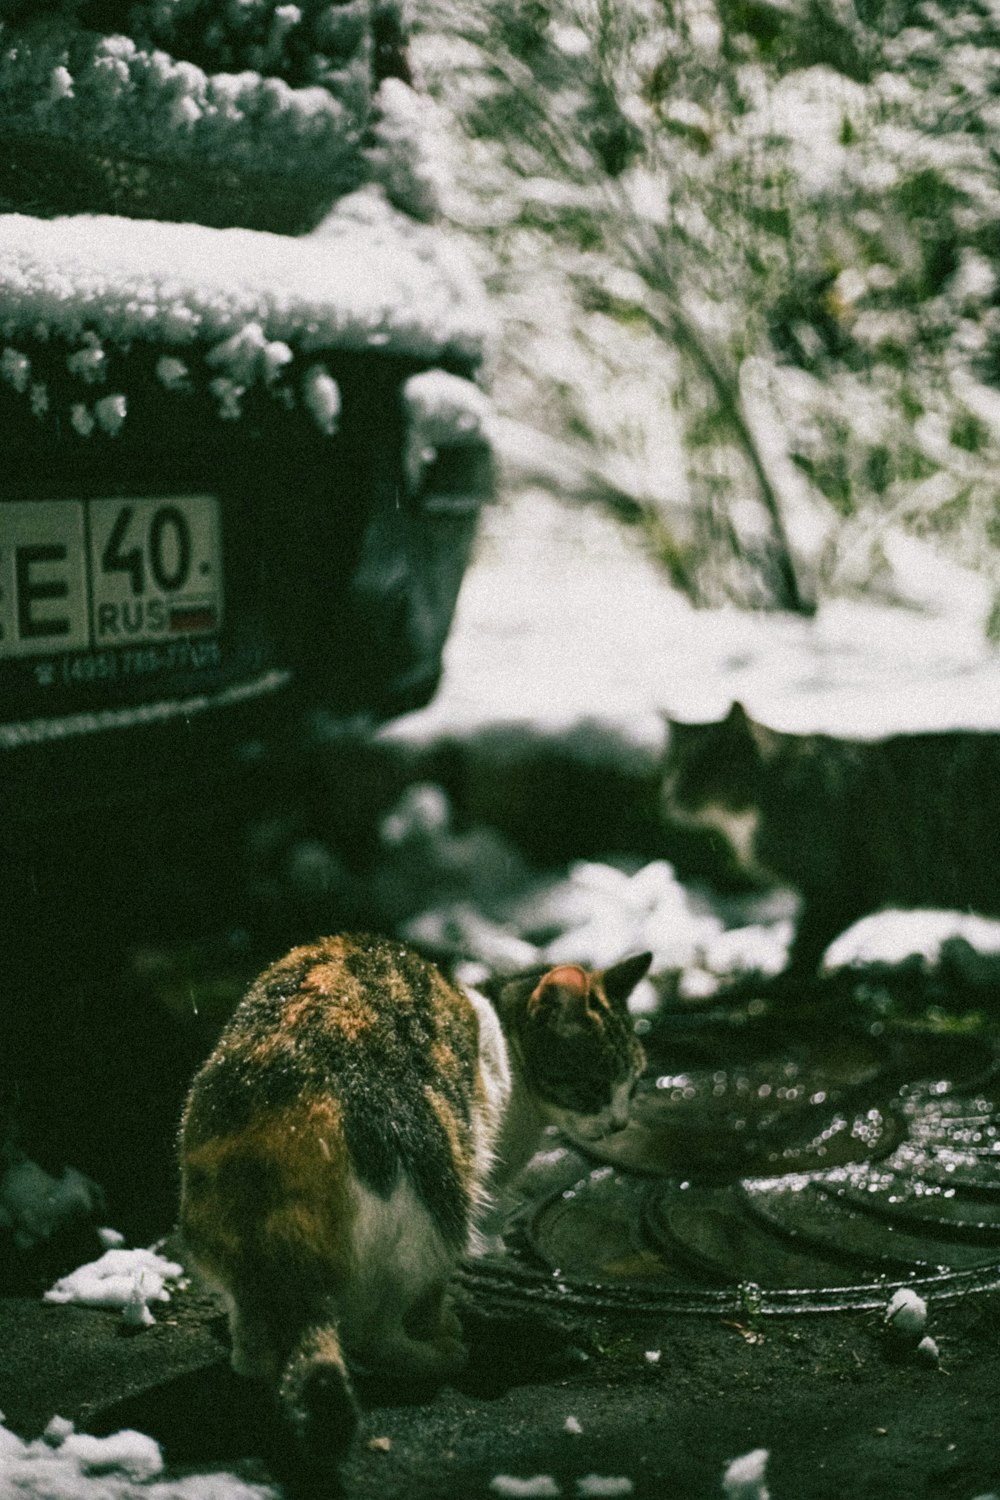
[[857, 826], [340, 1140]]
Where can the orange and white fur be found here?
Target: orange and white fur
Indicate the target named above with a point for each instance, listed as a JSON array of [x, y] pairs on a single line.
[[341, 1140]]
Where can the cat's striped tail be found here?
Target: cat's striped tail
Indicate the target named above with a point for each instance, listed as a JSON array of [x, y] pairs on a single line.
[[316, 1398]]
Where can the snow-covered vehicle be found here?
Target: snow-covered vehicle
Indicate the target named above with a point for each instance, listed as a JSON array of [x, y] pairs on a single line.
[[242, 466]]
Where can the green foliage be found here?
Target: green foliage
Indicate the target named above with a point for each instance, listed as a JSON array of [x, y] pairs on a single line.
[[802, 190]]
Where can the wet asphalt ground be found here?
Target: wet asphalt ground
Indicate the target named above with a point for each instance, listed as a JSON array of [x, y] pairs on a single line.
[[844, 1411]]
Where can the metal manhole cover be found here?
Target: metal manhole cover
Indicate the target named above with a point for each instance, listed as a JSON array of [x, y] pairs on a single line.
[[816, 1169]]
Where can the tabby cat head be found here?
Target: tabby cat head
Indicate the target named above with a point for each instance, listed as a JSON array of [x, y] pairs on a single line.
[[718, 763], [573, 1038], [712, 780]]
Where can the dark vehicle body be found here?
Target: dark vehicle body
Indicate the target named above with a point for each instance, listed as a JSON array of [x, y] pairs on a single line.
[[339, 585], [243, 454]]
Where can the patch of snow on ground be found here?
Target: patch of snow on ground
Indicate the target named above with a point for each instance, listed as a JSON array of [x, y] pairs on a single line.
[[893, 937], [538, 1487], [564, 620], [906, 1313], [65, 1464], [129, 1280], [760, 949], [630, 914], [744, 1477], [470, 894]]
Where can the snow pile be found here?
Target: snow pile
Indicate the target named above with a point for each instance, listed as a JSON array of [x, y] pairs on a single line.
[[67, 1465], [609, 912], [925, 937], [442, 411], [34, 1204], [761, 949], [470, 894], [538, 1487], [744, 1477], [244, 314], [905, 1319], [129, 1280], [906, 1314]]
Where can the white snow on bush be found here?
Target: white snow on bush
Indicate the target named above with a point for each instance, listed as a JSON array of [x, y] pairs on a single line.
[[826, 99], [854, 157], [65, 1464], [367, 279], [744, 1477], [143, 101], [129, 1280], [410, 152]]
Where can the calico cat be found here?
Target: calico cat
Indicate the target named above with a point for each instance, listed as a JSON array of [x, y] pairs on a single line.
[[857, 826], [341, 1138]]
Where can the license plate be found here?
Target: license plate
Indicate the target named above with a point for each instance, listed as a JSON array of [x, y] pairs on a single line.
[[88, 575]]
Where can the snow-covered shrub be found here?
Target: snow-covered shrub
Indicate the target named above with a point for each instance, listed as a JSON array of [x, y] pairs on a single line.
[[748, 266], [255, 113]]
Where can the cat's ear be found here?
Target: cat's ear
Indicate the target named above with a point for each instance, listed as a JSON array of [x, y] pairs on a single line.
[[620, 980], [561, 998], [738, 719], [763, 740]]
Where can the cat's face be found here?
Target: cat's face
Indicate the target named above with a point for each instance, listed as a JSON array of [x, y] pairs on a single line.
[[711, 782], [575, 1041]]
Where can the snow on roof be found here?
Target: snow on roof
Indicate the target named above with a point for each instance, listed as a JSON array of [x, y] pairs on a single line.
[[367, 279]]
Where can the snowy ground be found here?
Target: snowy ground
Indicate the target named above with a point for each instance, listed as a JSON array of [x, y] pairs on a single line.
[[67, 1465], [64, 1464], [564, 621]]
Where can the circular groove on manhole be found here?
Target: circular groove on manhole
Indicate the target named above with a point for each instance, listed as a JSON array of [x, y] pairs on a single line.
[[773, 1170]]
